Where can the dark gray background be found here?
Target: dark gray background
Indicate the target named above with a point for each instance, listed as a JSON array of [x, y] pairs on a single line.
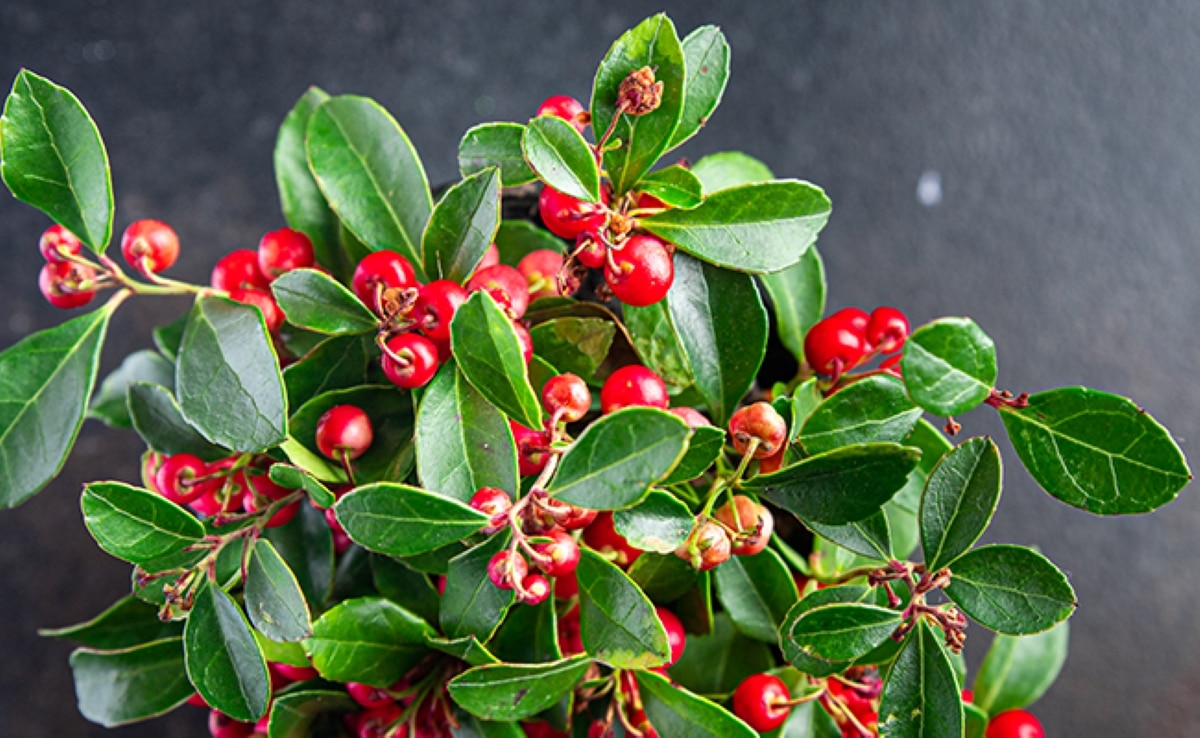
[[1064, 134]]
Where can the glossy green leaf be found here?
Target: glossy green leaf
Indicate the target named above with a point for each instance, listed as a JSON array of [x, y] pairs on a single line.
[[960, 497], [840, 486], [227, 379], [1011, 589], [842, 631], [294, 714], [1018, 670], [45, 382], [52, 157], [108, 405], [643, 139], [706, 59], [529, 635], [726, 169], [949, 366], [764, 227], [126, 686], [159, 421], [336, 363], [472, 605], [306, 545], [658, 523], [488, 352], [903, 510], [128, 623], [809, 720], [280, 652], [462, 226], [390, 457], [618, 623], [802, 659], [352, 575], [516, 691], [975, 721], [722, 328], [871, 409], [274, 600], [141, 527], [463, 442], [370, 174], [920, 691], [516, 238], [407, 587], [675, 186], [223, 660], [369, 640], [495, 145], [293, 477], [664, 578], [757, 591], [798, 296], [300, 198], [658, 345], [467, 648], [1096, 451], [615, 460], [168, 337], [399, 520], [870, 537], [716, 663], [561, 157], [315, 301], [677, 712], [575, 345], [703, 449]]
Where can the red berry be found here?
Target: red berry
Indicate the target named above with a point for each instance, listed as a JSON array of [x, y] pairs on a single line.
[[567, 394], [221, 725], [265, 302], [542, 730], [435, 307], [525, 338], [506, 285], [633, 386], [281, 251], [707, 547], [379, 271], [837, 343], [576, 518], [562, 554], [490, 257], [758, 421], [295, 673], [1014, 724], [495, 503], [197, 701], [150, 246], [676, 637], [410, 360], [590, 251], [377, 722], [239, 270], [535, 589], [760, 701], [566, 587], [344, 429], [368, 696], [506, 568], [640, 272], [753, 523], [690, 415], [567, 108], [540, 269], [175, 478], [60, 283], [887, 329], [213, 502], [282, 516], [602, 536], [567, 217], [532, 449], [646, 201], [57, 243]]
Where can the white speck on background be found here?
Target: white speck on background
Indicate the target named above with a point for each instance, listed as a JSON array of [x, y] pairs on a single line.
[[929, 188]]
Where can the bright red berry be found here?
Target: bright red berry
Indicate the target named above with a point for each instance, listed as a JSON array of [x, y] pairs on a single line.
[[707, 547], [567, 217], [272, 316], [150, 246], [887, 329], [377, 722], [602, 536], [344, 430], [294, 673], [761, 701], [676, 637], [239, 270], [561, 553], [533, 448], [176, 477], [646, 201], [252, 503], [368, 696], [507, 286], [506, 568], [435, 307], [535, 588], [576, 517], [568, 395], [281, 251], [640, 272], [1014, 724], [525, 338], [567, 108], [221, 725], [490, 257], [495, 503], [410, 360], [690, 415], [758, 421], [753, 523], [837, 343], [57, 243], [379, 271], [540, 269], [61, 284], [590, 251], [633, 386]]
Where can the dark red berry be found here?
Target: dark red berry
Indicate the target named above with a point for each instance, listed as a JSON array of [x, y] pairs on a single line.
[[561, 554], [344, 430], [176, 477], [506, 285], [540, 269], [379, 271], [61, 283], [633, 386], [542, 730], [758, 421], [1014, 724], [576, 518], [57, 243], [378, 722], [506, 568], [221, 725], [532, 448], [640, 272], [272, 316], [435, 307], [495, 503], [281, 251], [567, 217], [149, 246], [887, 329], [368, 696], [534, 589], [707, 547], [761, 701], [602, 536], [567, 395], [410, 361], [837, 343], [676, 637], [567, 108], [752, 522], [239, 270]]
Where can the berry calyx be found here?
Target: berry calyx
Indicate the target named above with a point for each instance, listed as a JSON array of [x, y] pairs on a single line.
[[752, 523], [760, 422], [239, 270], [761, 701], [409, 360], [281, 251], [344, 431], [265, 302], [506, 568], [540, 269], [567, 217], [602, 537], [435, 307], [837, 343], [65, 284], [640, 272], [887, 330], [1014, 724], [176, 478], [378, 272], [707, 547], [495, 503], [149, 246], [676, 637], [535, 588], [57, 243], [567, 108], [507, 286], [567, 396], [633, 386], [560, 555]]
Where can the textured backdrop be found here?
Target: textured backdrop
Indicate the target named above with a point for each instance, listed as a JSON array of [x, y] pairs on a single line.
[[1032, 165]]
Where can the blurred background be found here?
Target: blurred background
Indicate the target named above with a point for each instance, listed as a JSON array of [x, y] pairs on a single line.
[[1034, 165]]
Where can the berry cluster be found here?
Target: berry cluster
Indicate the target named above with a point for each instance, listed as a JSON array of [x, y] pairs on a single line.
[[225, 490], [850, 338], [69, 280], [247, 275]]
